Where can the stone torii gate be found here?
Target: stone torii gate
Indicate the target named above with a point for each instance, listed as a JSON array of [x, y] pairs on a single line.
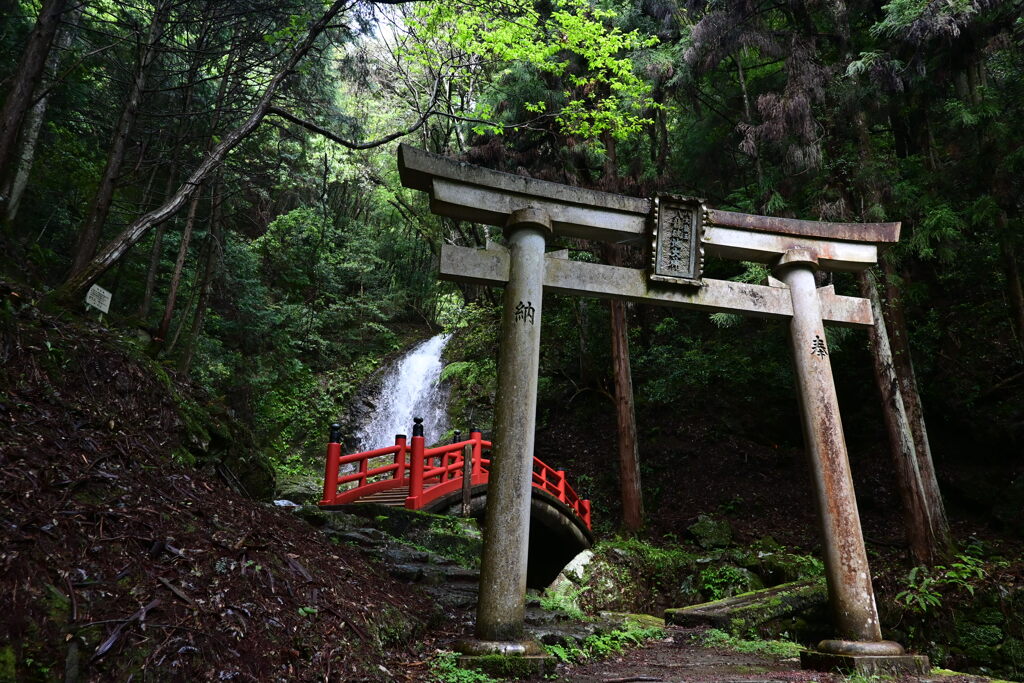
[[680, 231]]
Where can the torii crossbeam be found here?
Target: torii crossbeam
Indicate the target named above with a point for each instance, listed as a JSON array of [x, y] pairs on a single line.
[[679, 231]]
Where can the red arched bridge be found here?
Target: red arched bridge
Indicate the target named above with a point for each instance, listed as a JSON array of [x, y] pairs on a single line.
[[452, 479]]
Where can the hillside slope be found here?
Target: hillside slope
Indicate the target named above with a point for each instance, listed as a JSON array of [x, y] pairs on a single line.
[[117, 560]]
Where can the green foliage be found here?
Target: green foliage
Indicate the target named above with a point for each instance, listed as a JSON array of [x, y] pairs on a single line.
[[574, 42], [779, 648], [664, 563], [900, 15], [471, 365], [865, 678], [564, 600], [599, 646], [923, 591], [723, 581], [444, 668]]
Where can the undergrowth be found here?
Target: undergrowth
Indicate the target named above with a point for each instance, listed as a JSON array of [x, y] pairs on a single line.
[[444, 668], [604, 645], [778, 648], [564, 600]]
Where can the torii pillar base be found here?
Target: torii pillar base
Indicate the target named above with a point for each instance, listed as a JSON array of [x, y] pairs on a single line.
[[878, 658], [525, 658]]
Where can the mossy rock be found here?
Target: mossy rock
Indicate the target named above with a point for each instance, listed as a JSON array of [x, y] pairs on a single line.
[[724, 581], [390, 627], [783, 567], [709, 532], [299, 488], [455, 538], [627, 619], [509, 666]]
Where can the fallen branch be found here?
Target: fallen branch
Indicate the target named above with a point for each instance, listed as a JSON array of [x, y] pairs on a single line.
[[116, 634], [177, 591]]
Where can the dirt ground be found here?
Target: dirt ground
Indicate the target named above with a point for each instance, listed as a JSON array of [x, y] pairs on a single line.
[[678, 659]]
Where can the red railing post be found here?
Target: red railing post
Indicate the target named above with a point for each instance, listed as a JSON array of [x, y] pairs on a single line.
[[451, 458], [478, 450], [331, 473], [364, 465], [561, 485], [467, 478], [400, 456], [416, 464]]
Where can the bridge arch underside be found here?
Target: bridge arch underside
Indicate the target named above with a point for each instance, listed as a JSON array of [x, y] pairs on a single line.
[[556, 534]]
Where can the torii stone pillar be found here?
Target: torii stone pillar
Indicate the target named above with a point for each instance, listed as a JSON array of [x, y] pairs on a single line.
[[846, 563], [848, 575], [502, 601]]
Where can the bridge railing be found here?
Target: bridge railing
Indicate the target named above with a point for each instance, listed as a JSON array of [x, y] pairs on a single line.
[[429, 473], [438, 471], [553, 481]]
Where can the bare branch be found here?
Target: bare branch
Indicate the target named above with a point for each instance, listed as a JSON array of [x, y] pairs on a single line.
[[333, 137]]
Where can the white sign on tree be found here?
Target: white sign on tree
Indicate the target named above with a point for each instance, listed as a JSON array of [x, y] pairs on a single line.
[[98, 298]]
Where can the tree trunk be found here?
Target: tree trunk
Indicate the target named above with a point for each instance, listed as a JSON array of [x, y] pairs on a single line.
[[154, 267], [1014, 291], [76, 283], [749, 119], [89, 237], [916, 517], [625, 417], [582, 326], [33, 124], [172, 175], [205, 287], [892, 307], [925, 523], [27, 76], [179, 266]]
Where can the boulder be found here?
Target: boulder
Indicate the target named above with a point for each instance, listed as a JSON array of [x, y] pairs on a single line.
[[709, 532]]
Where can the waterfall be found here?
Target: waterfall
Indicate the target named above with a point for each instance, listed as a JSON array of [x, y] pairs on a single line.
[[410, 388]]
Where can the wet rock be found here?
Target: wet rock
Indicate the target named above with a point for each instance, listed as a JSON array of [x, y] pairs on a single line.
[[573, 572], [303, 489], [403, 555], [374, 534], [406, 572], [710, 532], [458, 596], [460, 575], [354, 537]]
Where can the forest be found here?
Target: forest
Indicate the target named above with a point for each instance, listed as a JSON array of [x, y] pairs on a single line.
[[227, 171]]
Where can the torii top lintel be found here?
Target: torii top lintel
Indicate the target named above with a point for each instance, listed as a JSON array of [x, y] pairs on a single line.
[[474, 193]]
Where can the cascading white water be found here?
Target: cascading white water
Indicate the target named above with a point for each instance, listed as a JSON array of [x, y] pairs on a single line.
[[411, 388]]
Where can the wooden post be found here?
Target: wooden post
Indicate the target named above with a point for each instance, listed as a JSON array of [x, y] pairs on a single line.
[[478, 451], [450, 457], [416, 465], [400, 456], [331, 473], [467, 477], [364, 465]]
